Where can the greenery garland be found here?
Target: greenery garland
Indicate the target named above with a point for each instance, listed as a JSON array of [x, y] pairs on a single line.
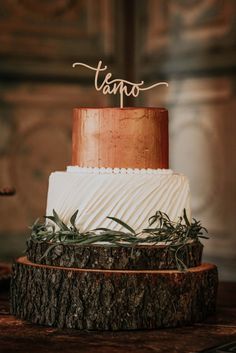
[[160, 228]]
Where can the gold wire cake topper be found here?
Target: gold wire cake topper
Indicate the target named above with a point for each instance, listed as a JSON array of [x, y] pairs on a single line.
[[114, 86]]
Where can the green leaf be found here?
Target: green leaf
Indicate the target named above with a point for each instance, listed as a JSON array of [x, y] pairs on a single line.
[[35, 224], [110, 231], [152, 220], [59, 222], [165, 215], [147, 230], [73, 219], [117, 220], [91, 240], [203, 236], [49, 249], [180, 264], [186, 218], [55, 218], [103, 229]]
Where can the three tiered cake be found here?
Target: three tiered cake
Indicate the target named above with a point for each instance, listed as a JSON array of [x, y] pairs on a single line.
[[118, 250]]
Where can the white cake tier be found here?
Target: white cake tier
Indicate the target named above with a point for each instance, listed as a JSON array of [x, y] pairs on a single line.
[[131, 197]]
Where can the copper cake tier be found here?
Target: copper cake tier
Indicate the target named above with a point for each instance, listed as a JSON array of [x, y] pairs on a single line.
[[120, 138]]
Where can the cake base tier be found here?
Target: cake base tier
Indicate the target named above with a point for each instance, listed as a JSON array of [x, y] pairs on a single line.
[[145, 257], [112, 299]]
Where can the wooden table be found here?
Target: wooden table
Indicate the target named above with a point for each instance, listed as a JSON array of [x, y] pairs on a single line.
[[18, 336]]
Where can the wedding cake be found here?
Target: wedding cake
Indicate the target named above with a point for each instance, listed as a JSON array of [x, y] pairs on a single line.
[[120, 169], [118, 250]]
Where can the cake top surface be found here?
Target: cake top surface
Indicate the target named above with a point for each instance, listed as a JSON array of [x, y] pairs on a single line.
[[124, 108]]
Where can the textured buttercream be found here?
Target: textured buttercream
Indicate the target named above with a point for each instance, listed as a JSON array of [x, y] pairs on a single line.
[[132, 197]]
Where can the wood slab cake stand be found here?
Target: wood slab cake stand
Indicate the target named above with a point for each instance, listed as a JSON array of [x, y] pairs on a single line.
[[84, 287], [112, 299], [139, 257]]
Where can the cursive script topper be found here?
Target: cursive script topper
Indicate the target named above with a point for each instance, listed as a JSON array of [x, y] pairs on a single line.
[[114, 86]]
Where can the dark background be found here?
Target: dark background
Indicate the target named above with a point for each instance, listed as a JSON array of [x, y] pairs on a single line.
[[188, 43]]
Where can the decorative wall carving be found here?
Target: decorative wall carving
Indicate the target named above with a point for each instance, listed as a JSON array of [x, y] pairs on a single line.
[[181, 37], [35, 130], [51, 8], [192, 24], [46, 37]]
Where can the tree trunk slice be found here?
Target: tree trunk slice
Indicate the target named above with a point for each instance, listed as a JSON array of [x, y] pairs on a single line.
[[141, 257], [112, 299]]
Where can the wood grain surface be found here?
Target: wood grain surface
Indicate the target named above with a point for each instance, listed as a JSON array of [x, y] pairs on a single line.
[[155, 257], [112, 299], [17, 336]]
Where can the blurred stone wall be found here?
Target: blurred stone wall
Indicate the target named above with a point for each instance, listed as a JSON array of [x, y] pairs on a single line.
[[192, 45], [39, 41]]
